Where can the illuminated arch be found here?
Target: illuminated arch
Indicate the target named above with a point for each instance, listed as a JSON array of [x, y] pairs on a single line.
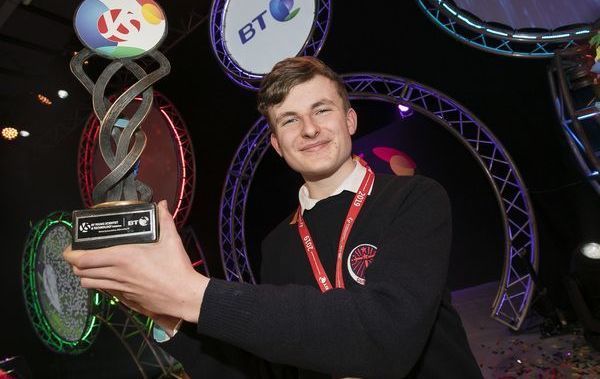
[[501, 40], [516, 287]]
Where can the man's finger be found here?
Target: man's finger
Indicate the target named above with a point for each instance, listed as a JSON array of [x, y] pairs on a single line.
[[96, 273], [164, 216], [85, 259], [103, 284]]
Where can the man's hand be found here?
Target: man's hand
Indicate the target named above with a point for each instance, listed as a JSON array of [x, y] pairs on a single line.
[[156, 278]]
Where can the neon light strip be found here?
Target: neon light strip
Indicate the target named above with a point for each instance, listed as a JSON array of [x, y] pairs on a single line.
[[181, 154], [524, 36], [588, 115], [538, 51], [496, 32], [555, 36], [184, 173], [449, 9], [470, 22], [574, 137]]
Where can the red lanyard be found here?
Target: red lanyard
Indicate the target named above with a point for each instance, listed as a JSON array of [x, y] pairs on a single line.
[[311, 250]]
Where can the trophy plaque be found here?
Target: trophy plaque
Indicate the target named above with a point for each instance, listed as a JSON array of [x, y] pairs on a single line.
[[120, 31]]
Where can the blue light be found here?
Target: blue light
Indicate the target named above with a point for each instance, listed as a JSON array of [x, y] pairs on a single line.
[[582, 32], [449, 9], [505, 48], [588, 115], [524, 36], [497, 32], [574, 137], [466, 20], [555, 36]]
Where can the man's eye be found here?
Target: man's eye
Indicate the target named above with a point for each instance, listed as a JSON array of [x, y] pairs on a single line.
[[287, 121], [322, 110]]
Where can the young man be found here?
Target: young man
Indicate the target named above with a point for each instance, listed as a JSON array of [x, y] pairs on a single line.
[[356, 276]]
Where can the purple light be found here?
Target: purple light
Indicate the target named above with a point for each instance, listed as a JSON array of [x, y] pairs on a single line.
[[403, 108]]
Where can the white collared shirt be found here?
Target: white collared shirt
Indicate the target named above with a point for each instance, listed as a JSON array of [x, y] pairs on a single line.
[[351, 183]]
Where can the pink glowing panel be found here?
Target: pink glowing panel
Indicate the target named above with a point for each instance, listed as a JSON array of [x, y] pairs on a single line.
[[400, 162], [402, 165]]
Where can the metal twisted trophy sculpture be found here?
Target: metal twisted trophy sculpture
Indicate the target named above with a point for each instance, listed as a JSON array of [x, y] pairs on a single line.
[[120, 31]]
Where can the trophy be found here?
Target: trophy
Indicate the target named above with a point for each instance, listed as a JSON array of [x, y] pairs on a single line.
[[121, 31]]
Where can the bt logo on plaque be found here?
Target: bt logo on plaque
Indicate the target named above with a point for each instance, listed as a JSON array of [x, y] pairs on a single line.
[[120, 29], [260, 33]]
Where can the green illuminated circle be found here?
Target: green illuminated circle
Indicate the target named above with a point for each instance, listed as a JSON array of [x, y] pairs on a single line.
[[63, 301], [62, 313]]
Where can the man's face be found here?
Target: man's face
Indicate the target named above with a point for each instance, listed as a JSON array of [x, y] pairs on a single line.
[[312, 129]]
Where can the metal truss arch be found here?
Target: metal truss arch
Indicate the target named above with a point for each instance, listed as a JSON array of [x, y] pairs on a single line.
[[502, 40], [578, 107], [134, 331], [249, 80], [516, 288]]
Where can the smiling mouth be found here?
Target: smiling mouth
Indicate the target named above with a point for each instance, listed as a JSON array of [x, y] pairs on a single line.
[[314, 146]]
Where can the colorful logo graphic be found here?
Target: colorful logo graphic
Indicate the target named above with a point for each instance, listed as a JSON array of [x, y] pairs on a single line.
[[281, 10], [359, 260], [120, 29]]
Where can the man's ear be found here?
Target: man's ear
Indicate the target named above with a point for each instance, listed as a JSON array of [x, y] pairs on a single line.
[[351, 121], [275, 144]]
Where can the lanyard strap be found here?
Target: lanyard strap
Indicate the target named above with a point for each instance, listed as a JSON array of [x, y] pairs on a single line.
[[310, 248]]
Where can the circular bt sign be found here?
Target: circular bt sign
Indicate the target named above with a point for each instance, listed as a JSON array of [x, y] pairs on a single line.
[[259, 34], [120, 28]]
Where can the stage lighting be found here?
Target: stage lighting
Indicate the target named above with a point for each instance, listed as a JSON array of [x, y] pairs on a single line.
[[24, 133], [405, 111], [9, 133], [44, 99], [63, 94], [591, 250], [583, 287]]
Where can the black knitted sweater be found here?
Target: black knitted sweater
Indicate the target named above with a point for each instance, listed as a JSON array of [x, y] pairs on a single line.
[[399, 323]]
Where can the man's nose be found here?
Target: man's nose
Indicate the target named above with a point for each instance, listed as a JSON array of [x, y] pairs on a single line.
[[310, 129]]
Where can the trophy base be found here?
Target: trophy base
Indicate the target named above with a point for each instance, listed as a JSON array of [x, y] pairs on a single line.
[[117, 223]]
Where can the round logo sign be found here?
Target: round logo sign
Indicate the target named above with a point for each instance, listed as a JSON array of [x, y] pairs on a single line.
[[119, 28], [259, 34], [359, 259]]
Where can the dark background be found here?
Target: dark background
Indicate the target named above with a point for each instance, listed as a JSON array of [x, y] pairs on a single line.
[[511, 96]]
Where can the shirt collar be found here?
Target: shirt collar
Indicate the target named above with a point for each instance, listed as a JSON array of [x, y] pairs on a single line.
[[351, 183]]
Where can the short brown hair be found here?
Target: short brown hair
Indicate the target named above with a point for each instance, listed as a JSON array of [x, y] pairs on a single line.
[[290, 72]]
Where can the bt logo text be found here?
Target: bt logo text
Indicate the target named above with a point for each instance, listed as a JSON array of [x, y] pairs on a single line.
[[281, 10]]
